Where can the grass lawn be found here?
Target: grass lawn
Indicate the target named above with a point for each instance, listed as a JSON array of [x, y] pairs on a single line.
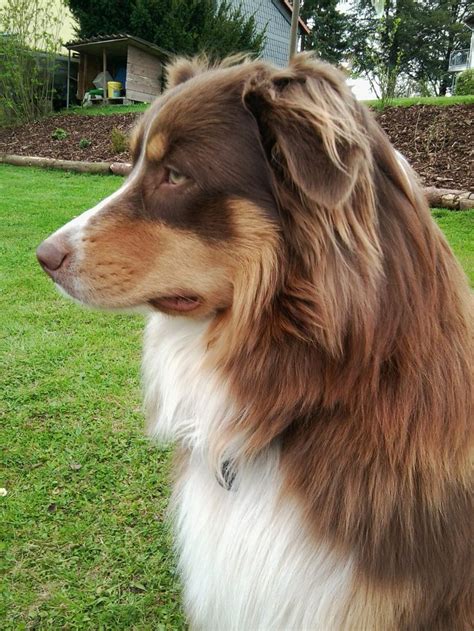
[[105, 110], [86, 541], [458, 226], [442, 101]]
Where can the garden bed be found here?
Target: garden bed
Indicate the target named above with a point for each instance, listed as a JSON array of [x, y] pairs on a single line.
[[437, 141], [36, 139]]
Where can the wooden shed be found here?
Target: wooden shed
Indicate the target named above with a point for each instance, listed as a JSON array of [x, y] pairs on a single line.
[[134, 62]]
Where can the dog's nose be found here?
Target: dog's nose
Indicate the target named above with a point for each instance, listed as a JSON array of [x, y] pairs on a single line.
[[51, 254]]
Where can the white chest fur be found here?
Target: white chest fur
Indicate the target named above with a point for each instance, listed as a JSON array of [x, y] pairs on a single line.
[[245, 556]]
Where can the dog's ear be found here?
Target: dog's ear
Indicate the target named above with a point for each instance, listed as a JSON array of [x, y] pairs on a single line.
[[308, 121], [182, 69]]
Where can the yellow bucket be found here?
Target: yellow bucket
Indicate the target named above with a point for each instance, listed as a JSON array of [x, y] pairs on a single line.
[[113, 89]]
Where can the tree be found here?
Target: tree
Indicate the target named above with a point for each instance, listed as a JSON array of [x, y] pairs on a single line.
[[328, 36], [229, 30], [409, 45], [380, 47], [179, 26], [440, 32], [100, 17]]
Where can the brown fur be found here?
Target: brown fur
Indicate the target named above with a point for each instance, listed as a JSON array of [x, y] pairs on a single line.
[[340, 317], [354, 355], [359, 364]]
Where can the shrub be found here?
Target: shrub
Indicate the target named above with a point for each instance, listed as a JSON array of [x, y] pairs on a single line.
[[59, 134], [84, 143], [29, 41], [465, 83], [119, 141]]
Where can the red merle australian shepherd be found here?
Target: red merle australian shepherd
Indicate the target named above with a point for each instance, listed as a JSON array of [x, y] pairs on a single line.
[[307, 347]]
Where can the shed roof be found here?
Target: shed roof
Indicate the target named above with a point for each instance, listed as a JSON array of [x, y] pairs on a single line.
[[116, 45]]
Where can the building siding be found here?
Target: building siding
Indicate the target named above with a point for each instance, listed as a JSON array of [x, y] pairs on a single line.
[[61, 26], [270, 14]]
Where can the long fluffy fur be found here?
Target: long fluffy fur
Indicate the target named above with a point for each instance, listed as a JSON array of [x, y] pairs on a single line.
[[322, 393], [354, 359]]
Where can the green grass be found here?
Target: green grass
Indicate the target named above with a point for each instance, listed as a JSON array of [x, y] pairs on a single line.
[[105, 110], [86, 542], [442, 101], [458, 226]]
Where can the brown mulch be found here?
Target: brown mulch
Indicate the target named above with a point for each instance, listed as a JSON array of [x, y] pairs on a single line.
[[437, 141], [34, 139]]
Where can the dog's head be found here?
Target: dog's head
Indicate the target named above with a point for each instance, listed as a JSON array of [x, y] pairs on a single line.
[[242, 173], [270, 203]]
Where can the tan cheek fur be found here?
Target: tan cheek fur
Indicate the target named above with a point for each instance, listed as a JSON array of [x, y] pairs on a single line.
[[255, 253], [130, 262]]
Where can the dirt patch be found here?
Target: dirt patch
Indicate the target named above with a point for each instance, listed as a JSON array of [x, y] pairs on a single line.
[[437, 141], [35, 139]]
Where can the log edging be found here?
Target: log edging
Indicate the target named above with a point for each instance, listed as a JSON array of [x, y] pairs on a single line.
[[437, 197]]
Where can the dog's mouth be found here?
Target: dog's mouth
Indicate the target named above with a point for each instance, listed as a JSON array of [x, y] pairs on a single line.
[[182, 303]]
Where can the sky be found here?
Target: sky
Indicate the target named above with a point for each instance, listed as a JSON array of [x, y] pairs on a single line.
[[361, 89]]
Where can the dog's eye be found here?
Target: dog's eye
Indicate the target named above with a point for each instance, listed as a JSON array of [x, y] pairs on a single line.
[[174, 177]]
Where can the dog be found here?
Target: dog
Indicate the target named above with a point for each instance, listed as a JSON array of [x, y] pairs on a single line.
[[308, 348]]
